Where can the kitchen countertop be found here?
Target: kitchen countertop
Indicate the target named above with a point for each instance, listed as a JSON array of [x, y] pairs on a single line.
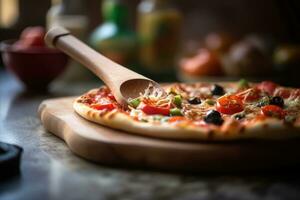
[[49, 170]]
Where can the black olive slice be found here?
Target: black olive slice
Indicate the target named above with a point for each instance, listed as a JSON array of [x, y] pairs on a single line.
[[277, 101], [213, 117], [194, 100], [217, 90]]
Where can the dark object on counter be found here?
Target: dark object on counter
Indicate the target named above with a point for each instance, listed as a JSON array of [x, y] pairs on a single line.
[[246, 59], [213, 117], [286, 60], [36, 67], [217, 90], [266, 43], [9, 160]]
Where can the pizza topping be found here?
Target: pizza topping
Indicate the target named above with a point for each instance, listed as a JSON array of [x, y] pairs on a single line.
[[283, 92], [263, 101], [177, 100], [152, 93], [267, 86], [154, 110], [135, 102], [230, 104], [193, 112], [172, 90], [295, 93], [251, 94], [194, 100], [243, 84], [199, 104], [176, 119], [239, 116], [217, 90], [108, 106], [273, 111], [293, 105], [213, 117], [210, 102], [175, 112], [289, 119], [277, 101], [111, 97]]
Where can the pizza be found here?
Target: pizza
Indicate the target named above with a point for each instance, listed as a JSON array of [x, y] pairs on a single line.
[[200, 111]]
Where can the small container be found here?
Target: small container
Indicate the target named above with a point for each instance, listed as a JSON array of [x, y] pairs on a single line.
[[114, 38], [159, 31], [35, 67]]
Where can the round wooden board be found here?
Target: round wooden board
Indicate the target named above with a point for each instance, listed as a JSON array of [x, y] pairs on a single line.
[[108, 146]]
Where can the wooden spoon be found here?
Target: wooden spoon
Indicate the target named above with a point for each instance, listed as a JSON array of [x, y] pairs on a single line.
[[123, 83]]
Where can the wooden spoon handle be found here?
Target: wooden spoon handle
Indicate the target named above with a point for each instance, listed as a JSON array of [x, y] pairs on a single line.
[[111, 73]]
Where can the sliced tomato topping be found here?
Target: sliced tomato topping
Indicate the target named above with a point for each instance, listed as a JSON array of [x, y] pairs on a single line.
[[111, 96], [176, 119], [273, 111], [252, 95], [103, 91], [108, 106], [154, 110], [267, 86], [296, 93], [284, 93], [230, 104]]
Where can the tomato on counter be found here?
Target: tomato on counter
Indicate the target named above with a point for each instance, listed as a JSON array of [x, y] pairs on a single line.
[[31, 37], [204, 63], [219, 42]]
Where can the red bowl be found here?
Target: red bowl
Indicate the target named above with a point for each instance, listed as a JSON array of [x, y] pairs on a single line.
[[36, 67]]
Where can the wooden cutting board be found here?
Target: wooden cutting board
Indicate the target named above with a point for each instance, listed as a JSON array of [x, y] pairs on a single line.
[[112, 147]]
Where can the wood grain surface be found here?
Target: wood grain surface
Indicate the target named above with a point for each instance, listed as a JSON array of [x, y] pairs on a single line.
[[123, 82], [112, 147]]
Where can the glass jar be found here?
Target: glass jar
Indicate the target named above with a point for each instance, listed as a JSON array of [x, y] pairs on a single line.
[[114, 38], [159, 31]]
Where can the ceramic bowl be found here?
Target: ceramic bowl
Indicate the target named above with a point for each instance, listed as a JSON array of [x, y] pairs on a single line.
[[35, 67]]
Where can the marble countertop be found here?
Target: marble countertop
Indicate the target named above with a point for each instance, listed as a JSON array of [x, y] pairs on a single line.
[[49, 170]]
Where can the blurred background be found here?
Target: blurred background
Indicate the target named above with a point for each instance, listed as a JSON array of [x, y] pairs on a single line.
[[167, 40]]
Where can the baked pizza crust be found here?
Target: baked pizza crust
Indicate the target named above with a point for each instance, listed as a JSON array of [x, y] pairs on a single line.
[[271, 129]]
